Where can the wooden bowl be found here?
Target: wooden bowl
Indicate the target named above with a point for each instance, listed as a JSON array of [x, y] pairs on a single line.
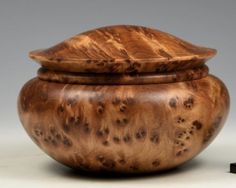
[[124, 99]]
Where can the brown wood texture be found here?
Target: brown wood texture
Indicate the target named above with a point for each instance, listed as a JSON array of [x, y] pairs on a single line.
[[123, 128], [123, 49], [126, 79], [123, 98]]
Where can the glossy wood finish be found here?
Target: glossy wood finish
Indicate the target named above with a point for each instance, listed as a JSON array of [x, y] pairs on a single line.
[[119, 79], [123, 128], [123, 49], [124, 99]]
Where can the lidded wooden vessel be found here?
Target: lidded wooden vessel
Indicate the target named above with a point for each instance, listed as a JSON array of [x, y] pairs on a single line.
[[123, 99]]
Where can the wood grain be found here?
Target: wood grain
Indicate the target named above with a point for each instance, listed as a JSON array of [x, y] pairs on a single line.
[[123, 49], [122, 79], [123, 128], [124, 99]]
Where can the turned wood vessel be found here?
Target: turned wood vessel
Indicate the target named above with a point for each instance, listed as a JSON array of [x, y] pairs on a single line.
[[123, 99]]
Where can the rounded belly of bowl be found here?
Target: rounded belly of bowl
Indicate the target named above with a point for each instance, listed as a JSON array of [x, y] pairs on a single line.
[[123, 128]]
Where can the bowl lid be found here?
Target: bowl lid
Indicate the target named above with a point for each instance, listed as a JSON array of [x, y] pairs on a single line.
[[122, 49]]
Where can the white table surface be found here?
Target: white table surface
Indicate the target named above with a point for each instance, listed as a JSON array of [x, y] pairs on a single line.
[[23, 164]]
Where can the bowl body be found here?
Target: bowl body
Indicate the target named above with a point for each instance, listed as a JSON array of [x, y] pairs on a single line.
[[123, 128]]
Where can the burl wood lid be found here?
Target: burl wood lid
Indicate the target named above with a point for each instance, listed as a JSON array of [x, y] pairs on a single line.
[[122, 49]]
